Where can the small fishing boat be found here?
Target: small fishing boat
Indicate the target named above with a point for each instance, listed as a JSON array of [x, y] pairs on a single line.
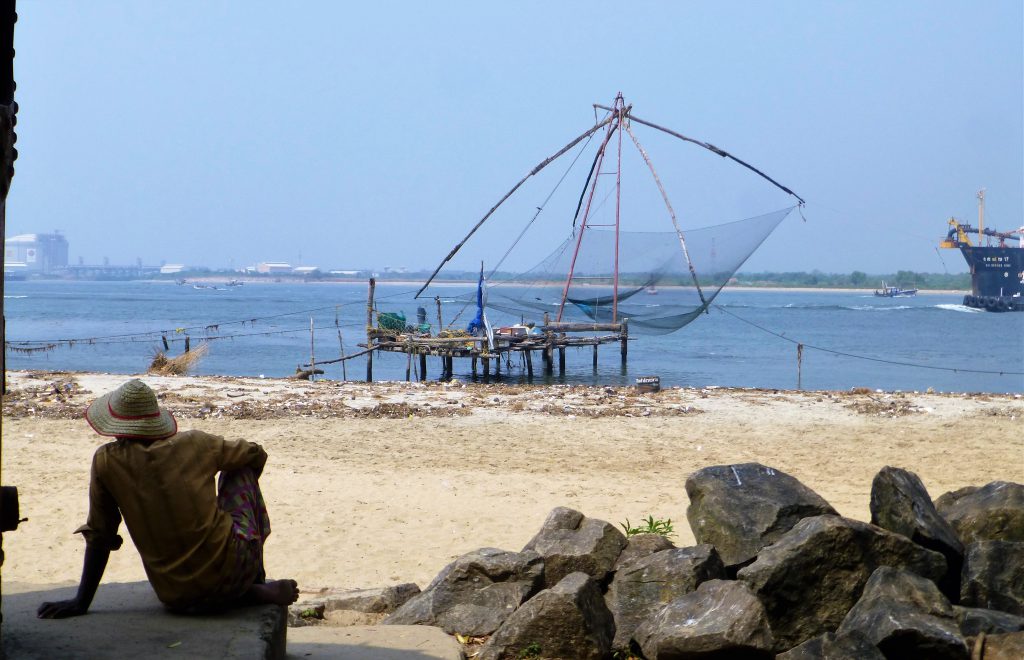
[[894, 292]]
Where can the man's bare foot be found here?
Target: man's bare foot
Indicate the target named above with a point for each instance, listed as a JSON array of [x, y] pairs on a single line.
[[277, 592]]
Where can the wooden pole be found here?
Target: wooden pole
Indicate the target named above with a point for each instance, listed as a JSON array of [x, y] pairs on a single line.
[[369, 331], [487, 368], [799, 365], [497, 364], [341, 345], [423, 366], [408, 360], [440, 323], [624, 349], [595, 356], [561, 361], [472, 363], [187, 344], [312, 353], [529, 363]]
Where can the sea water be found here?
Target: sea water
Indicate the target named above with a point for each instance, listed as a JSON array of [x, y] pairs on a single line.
[[749, 338]]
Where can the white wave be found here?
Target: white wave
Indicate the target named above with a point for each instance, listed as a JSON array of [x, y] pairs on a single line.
[[960, 308], [6, 297], [876, 308]]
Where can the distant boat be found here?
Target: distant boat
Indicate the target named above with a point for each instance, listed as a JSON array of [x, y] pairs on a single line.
[[651, 290], [235, 283], [894, 292], [179, 282]]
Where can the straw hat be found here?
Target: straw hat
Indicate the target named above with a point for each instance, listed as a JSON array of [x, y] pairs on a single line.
[[131, 410]]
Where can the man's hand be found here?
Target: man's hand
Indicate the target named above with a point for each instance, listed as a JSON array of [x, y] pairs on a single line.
[[62, 609]]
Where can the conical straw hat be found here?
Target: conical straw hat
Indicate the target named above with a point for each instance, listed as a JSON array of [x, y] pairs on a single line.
[[131, 410]]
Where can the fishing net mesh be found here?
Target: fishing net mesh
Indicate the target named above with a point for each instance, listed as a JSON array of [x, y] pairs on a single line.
[[646, 261]]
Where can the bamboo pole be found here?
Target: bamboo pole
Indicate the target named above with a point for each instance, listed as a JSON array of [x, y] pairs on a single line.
[[561, 360], [624, 348], [312, 353], [341, 346], [369, 330], [529, 363], [595, 356], [501, 201], [423, 366]]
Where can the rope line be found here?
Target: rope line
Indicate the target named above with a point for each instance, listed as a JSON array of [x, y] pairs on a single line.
[[866, 357]]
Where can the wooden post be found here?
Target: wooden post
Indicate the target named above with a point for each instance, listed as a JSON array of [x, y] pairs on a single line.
[[624, 349], [423, 366], [167, 348], [187, 343], [449, 367], [312, 352], [369, 331], [472, 363], [487, 368], [799, 365], [595, 356], [529, 363], [497, 364], [561, 361], [440, 324], [408, 360], [341, 346]]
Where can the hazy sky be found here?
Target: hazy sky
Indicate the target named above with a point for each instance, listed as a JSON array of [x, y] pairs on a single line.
[[357, 135]]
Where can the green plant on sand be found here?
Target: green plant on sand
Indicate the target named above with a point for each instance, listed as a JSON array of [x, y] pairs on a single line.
[[650, 525]]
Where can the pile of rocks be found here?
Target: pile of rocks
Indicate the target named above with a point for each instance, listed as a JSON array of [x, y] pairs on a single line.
[[776, 571]]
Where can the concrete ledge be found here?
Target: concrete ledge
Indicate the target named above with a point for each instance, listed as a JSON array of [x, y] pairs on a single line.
[[127, 621], [373, 643]]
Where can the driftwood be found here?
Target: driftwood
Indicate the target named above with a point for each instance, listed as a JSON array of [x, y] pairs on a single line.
[[305, 374]]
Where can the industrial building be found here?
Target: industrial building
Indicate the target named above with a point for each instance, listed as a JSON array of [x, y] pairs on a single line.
[[36, 253]]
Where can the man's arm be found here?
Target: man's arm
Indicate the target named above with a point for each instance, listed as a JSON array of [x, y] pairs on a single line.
[[92, 571]]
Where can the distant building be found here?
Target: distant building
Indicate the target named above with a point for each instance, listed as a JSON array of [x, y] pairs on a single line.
[[36, 253], [306, 271], [273, 267], [172, 269]]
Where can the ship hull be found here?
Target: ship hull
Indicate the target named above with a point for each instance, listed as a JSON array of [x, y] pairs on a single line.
[[997, 278]]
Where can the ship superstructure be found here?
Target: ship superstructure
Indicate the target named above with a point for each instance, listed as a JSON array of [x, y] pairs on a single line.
[[996, 263]]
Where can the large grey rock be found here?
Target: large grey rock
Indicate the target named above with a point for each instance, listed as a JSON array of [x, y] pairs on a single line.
[[829, 646], [906, 616], [993, 576], [810, 578], [569, 542], [741, 508], [474, 594], [900, 503], [646, 585], [639, 546], [976, 620], [569, 620], [721, 619], [994, 512]]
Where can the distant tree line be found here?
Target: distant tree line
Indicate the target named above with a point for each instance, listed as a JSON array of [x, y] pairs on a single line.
[[855, 280]]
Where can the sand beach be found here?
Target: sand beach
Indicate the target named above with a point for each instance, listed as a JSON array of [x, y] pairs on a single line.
[[370, 485]]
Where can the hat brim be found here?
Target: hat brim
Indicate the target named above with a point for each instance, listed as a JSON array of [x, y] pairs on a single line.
[[102, 420]]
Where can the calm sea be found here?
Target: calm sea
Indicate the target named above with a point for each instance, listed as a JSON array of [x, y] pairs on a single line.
[[263, 329]]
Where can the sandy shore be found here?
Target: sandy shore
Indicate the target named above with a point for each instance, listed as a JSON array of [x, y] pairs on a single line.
[[370, 485]]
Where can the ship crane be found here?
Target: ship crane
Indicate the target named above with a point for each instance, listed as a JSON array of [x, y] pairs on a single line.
[[957, 235]]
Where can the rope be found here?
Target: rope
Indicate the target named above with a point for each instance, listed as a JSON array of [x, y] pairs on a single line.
[[865, 357]]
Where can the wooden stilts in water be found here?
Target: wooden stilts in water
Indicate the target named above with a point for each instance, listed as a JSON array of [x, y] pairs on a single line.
[[450, 367], [423, 366], [595, 356], [497, 364], [187, 344], [341, 346], [440, 324], [529, 363], [487, 368], [473, 365], [408, 360], [369, 330], [561, 361]]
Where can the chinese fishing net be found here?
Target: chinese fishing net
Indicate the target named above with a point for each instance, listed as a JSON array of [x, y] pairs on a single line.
[[657, 292]]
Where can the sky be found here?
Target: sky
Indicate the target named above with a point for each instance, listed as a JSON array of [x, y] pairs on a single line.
[[366, 135]]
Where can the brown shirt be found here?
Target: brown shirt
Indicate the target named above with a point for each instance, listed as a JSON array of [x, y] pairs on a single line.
[[166, 492]]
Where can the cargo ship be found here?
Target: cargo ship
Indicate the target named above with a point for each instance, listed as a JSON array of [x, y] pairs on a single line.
[[997, 267]]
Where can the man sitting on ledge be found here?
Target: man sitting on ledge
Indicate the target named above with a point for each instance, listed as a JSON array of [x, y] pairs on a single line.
[[202, 549]]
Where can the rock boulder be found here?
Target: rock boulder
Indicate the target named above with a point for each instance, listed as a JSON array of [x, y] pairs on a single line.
[[994, 512], [569, 542], [993, 576]]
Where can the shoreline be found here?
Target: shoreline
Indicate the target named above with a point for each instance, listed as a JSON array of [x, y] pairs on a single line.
[[462, 283], [370, 485]]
